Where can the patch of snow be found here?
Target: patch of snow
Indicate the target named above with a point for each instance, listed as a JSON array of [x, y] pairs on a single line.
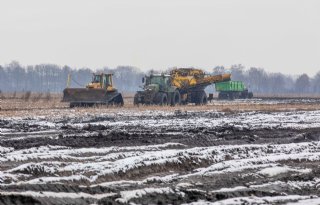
[[126, 196], [59, 194], [121, 183], [45, 180], [229, 189], [184, 185], [255, 200], [6, 149], [314, 201], [162, 179], [273, 171]]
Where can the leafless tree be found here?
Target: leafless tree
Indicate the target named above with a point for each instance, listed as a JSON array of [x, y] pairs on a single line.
[[303, 83]]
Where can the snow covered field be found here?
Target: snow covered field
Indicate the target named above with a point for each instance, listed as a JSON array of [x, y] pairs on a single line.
[[161, 157]]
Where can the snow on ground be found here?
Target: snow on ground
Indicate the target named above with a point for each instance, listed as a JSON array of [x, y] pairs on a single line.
[[312, 201], [158, 119], [249, 120], [59, 194], [294, 199], [5, 149], [274, 172], [54, 162], [99, 167], [126, 196]]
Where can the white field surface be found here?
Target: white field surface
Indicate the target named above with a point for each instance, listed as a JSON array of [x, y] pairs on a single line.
[[99, 167], [265, 173], [158, 119], [292, 200]]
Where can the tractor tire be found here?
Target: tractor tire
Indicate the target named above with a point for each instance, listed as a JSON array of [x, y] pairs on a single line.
[[118, 101], [250, 95], [201, 98], [176, 98], [161, 99], [136, 100]]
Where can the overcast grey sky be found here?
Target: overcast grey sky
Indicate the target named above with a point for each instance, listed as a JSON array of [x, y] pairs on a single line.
[[279, 35]]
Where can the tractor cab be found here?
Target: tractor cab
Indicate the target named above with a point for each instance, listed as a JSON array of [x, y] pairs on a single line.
[[157, 82], [102, 80]]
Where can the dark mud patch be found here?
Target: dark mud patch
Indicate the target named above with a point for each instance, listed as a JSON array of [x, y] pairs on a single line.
[[192, 137]]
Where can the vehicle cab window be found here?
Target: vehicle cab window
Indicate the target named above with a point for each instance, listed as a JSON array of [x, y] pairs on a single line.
[[96, 79]]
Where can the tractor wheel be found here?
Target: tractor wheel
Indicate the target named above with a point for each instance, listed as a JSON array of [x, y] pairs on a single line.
[[176, 99], [136, 100], [250, 95], [161, 99], [164, 99]]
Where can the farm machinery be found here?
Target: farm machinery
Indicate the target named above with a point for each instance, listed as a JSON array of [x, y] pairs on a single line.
[[99, 91], [232, 90], [181, 86]]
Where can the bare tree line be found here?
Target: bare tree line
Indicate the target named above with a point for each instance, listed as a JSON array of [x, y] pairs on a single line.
[[53, 78]]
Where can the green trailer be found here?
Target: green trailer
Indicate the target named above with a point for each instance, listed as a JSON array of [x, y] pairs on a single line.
[[232, 90]]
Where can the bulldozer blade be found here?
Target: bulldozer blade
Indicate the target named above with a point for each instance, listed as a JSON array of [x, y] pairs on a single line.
[[89, 96]]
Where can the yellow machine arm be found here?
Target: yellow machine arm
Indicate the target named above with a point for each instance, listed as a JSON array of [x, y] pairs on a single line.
[[215, 79], [184, 78]]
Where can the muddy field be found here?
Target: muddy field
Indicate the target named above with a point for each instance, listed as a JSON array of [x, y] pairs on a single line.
[[241, 152]]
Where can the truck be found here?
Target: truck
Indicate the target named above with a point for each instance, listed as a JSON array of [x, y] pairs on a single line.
[[181, 86], [232, 90]]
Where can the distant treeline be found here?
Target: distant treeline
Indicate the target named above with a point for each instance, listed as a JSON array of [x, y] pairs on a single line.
[[260, 81], [53, 78]]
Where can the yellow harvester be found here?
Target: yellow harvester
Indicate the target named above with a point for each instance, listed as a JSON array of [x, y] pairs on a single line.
[[181, 86]]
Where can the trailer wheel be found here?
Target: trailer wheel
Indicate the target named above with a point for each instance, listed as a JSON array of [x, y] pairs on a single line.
[[201, 98], [176, 99], [220, 96], [204, 99], [231, 96]]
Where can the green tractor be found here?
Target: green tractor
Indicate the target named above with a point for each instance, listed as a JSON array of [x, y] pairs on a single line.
[[157, 90]]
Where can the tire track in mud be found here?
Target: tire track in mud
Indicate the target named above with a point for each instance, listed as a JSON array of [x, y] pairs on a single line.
[[200, 136], [126, 129], [173, 181]]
